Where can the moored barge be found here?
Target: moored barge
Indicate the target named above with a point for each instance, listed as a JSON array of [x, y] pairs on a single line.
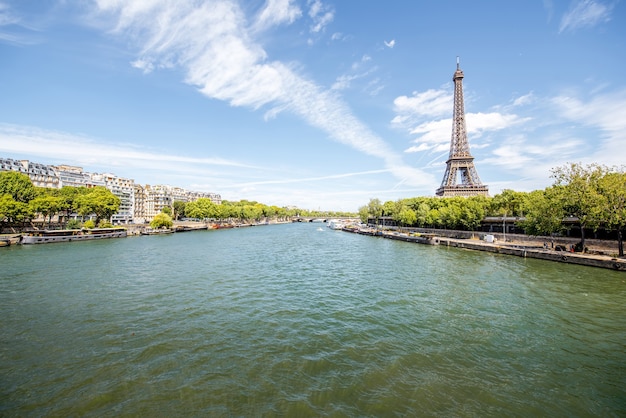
[[47, 236]]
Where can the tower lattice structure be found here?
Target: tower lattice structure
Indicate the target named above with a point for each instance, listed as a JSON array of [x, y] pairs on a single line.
[[460, 162]]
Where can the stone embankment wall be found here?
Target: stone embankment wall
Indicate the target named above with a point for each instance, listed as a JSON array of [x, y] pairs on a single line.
[[597, 246]]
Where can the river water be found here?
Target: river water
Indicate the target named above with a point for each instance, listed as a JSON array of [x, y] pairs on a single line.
[[300, 320]]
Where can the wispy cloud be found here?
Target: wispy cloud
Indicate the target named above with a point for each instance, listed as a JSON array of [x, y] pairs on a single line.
[[212, 44], [390, 44], [585, 14], [76, 149], [276, 12], [604, 113], [321, 14], [526, 137], [13, 29]]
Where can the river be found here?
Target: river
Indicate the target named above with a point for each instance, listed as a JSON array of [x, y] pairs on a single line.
[[301, 320]]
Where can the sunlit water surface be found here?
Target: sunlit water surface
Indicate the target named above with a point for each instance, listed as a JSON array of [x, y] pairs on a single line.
[[300, 320]]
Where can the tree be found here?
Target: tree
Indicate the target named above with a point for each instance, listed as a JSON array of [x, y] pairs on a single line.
[[406, 216], [509, 202], [375, 209], [179, 209], [17, 185], [47, 206], [582, 198], [613, 187], [100, 201], [472, 212], [202, 208], [167, 209], [544, 211], [12, 211], [68, 196], [161, 220]]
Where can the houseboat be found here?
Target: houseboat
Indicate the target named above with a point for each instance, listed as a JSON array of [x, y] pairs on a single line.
[[47, 236]]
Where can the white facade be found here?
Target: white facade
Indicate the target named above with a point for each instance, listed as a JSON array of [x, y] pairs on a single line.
[[137, 204], [40, 175]]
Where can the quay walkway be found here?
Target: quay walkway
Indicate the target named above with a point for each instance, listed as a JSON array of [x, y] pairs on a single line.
[[520, 249]]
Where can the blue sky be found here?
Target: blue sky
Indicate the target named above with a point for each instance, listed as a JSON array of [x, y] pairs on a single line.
[[314, 103]]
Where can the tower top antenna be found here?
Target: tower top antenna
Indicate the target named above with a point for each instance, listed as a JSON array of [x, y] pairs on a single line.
[[457, 62]]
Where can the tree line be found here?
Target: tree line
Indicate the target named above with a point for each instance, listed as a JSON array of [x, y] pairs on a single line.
[[21, 201], [592, 196]]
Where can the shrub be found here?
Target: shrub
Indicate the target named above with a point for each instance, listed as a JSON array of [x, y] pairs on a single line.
[[105, 224], [73, 224]]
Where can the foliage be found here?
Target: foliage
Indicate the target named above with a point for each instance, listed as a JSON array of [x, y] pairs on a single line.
[[47, 206], [544, 214], [581, 197], [430, 212], [89, 224], [99, 201], [161, 220], [179, 209], [12, 211], [17, 185], [613, 187], [105, 224], [167, 210], [202, 208], [73, 224], [508, 203]]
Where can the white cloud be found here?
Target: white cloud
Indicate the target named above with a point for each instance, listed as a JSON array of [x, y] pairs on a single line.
[[583, 14], [143, 65], [524, 100], [431, 103], [604, 112], [477, 123], [277, 12], [210, 42], [390, 44], [321, 15], [61, 145]]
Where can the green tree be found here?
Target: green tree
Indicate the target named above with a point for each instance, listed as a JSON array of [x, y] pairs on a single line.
[[17, 185], [161, 220], [613, 187], [202, 208], [473, 212], [167, 209], [47, 206], [422, 215], [100, 201], [544, 212], [12, 211], [179, 209], [582, 198], [406, 216], [68, 195], [375, 209], [391, 208], [508, 203]]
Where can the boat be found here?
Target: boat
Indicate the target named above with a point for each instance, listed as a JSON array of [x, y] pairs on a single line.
[[336, 224], [159, 231], [46, 236]]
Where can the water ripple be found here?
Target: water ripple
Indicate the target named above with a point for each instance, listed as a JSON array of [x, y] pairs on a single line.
[[290, 321]]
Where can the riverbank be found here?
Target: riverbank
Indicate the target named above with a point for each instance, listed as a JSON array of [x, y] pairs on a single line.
[[528, 248]]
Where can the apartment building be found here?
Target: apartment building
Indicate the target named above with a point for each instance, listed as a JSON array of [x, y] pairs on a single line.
[[138, 204], [40, 175]]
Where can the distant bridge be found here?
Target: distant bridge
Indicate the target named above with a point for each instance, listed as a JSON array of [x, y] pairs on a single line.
[[318, 219]]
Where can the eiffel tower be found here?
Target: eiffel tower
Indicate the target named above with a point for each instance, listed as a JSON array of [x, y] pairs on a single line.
[[460, 161]]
